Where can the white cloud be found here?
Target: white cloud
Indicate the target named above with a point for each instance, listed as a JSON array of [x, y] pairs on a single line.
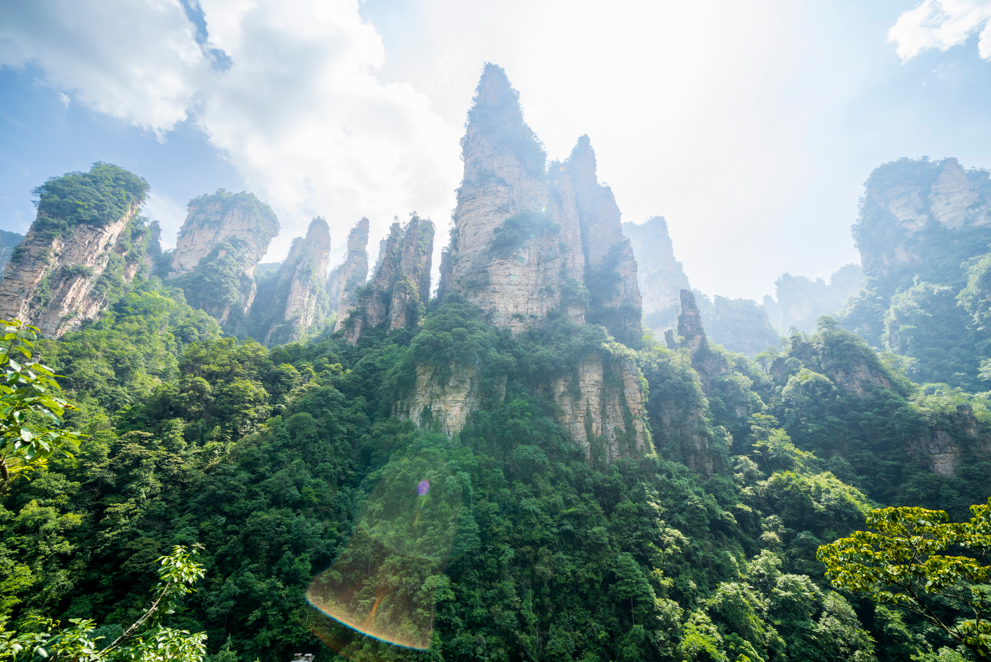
[[169, 213], [137, 61], [64, 98], [299, 112], [942, 24]]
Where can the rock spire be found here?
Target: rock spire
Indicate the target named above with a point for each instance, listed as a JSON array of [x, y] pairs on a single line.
[[353, 273], [299, 298], [401, 287]]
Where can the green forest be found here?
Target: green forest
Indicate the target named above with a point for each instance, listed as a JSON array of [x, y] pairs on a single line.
[[173, 490]]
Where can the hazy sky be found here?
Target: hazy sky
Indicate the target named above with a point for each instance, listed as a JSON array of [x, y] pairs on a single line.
[[750, 126]]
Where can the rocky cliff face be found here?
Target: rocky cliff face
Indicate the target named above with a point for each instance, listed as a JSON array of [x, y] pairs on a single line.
[[52, 281], [601, 405], [299, 291], [908, 203], [352, 274], [516, 245], [401, 288], [660, 276], [528, 245], [610, 266], [222, 239], [76, 256]]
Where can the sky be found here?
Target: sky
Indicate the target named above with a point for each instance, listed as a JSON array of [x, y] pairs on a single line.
[[750, 127]]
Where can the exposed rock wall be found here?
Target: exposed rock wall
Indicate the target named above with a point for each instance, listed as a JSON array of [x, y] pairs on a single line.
[[443, 399], [601, 406], [353, 273], [660, 276], [51, 283], [221, 241], [906, 201], [610, 266], [513, 251], [299, 289], [401, 286]]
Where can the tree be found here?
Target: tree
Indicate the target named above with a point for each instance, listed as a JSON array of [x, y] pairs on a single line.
[[906, 562], [29, 406], [179, 571]]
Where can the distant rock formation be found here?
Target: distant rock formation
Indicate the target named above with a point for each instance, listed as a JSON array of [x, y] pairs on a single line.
[[800, 301], [75, 258], [297, 296], [353, 273], [401, 287], [222, 239], [610, 266], [661, 277]]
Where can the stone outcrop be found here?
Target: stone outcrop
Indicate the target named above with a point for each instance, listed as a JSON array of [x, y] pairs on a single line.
[[352, 274], [221, 241], [516, 242], [299, 290], [601, 406], [442, 400], [401, 286], [610, 266], [660, 276], [52, 280]]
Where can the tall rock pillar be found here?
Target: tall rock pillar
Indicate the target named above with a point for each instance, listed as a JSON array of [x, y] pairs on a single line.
[[513, 252], [610, 267]]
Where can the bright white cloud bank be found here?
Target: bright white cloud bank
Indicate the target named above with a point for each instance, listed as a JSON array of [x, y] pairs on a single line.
[[299, 112], [942, 24]]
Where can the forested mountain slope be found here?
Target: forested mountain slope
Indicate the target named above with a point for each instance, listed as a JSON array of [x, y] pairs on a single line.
[[502, 472]]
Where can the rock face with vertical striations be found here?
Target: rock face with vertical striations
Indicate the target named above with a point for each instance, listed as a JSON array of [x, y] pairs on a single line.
[[601, 405], [297, 296], [399, 292], [531, 246], [610, 266], [222, 239], [353, 273], [660, 276], [516, 244], [76, 256]]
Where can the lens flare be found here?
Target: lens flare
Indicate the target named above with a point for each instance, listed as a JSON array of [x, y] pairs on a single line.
[[383, 583]]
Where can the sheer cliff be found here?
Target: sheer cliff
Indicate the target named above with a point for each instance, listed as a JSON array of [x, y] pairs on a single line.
[[660, 276], [86, 243], [352, 274], [923, 234], [288, 305], [610, 266], [399, 292], [534, 247], [516, 248], [222, 239]]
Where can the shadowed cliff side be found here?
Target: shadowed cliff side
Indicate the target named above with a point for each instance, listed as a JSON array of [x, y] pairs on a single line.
[[660, 276], [222, 239], [401, 287], [86, 243], [288, 305], [353, 273]]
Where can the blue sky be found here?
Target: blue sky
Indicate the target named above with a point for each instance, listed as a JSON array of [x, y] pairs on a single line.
[[750, 126]]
